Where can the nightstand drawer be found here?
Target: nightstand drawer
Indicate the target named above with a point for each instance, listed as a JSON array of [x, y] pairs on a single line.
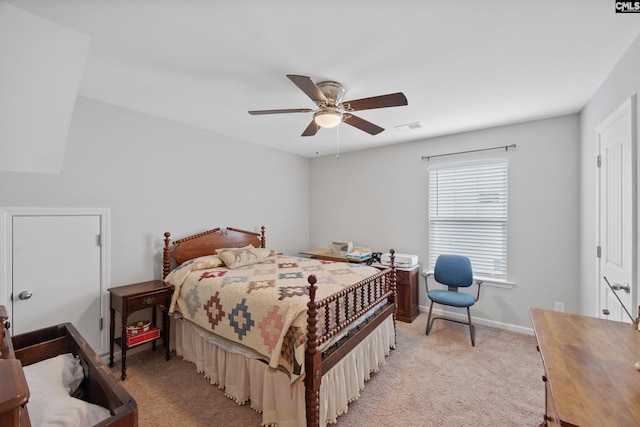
[[148, 300]]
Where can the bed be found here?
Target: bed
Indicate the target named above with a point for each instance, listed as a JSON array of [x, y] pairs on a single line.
[[297, 337]]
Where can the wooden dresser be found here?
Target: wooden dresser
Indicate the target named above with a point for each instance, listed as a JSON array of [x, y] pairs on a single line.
[[590, 378], [14, 392]]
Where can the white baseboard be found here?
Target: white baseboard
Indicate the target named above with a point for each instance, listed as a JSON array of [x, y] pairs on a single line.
[[479, 321]]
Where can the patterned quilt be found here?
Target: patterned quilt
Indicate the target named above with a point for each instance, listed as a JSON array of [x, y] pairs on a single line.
[[261, 306]]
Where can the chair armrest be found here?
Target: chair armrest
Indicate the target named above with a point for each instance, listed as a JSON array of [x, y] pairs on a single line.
[[426, 275], [479, 283]]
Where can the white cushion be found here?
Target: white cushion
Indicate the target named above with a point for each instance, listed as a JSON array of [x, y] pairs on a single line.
[[51, 382]]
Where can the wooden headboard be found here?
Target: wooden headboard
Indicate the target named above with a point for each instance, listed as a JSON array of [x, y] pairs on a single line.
[[206, 243]]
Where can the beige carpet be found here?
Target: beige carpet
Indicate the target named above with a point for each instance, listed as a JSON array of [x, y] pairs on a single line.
[[435, 380]]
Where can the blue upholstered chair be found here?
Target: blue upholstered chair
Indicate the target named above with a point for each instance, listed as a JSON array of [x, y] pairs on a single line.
[[453, 271]]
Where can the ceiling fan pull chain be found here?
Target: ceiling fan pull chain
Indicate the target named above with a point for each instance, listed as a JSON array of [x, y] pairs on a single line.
[[337, 142]]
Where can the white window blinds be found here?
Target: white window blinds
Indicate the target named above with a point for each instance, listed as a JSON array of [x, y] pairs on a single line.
[[468, 216]]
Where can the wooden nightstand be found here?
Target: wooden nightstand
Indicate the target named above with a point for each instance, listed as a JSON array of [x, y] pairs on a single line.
[[130, 298], [407, 293]]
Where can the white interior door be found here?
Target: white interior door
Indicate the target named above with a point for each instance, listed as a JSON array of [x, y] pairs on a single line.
[[56, 274], [617, 215]]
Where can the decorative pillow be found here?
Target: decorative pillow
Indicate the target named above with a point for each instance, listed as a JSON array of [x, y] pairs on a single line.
[[207, 261], [266, 253], [50, 383], [218, 251], [234, 258]]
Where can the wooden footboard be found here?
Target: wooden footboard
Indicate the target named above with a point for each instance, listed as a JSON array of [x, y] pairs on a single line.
[[341, 311]]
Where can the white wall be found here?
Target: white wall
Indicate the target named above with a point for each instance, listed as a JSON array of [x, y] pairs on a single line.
[[159, 176], [622, 82], [42, 65], [378, 198]]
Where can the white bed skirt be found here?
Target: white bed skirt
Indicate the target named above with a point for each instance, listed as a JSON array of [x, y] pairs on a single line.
[[244, 378]]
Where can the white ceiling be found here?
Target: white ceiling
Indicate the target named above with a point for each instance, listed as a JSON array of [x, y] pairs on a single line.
[[463, 65]]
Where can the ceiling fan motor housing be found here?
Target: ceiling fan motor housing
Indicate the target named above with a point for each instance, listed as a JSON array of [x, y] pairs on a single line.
[[333, 91]]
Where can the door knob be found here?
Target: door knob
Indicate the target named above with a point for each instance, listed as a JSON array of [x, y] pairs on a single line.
[[25, 295], [618, 286]]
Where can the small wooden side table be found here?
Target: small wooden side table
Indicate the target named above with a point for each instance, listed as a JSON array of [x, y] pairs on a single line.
[[130, 298]]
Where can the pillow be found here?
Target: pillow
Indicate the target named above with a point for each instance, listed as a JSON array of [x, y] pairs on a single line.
[[207, 261], [51, 382], [234, 258], [63, 369], [266, 253], [218, 251]]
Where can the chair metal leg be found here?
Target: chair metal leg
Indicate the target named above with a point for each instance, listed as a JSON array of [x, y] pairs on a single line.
[[429, 319], [472, 329]]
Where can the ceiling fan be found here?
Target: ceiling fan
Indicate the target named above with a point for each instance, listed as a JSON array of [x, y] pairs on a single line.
[[332, 110]]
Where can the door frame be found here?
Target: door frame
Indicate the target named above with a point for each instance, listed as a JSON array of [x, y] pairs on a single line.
[[629, 105], [6, 243]]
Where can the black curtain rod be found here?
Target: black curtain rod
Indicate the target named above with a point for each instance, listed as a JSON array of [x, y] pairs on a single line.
[[506, 148]]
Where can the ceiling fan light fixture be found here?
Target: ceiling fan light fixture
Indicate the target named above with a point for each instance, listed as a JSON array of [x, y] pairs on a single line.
[[327, 118]]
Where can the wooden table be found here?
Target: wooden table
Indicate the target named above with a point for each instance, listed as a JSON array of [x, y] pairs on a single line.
[[590, 377], [325, 254], [130, 298]]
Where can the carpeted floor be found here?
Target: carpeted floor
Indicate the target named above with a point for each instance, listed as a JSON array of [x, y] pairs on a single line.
[[435, 380]]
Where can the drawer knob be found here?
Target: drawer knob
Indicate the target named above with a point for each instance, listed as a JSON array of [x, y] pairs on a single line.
[[148, 300]]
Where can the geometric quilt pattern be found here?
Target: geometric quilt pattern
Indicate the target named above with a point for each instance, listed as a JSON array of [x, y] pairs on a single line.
[[263, 306]]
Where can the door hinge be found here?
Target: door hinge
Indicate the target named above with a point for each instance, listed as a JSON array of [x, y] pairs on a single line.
[[598, 251], [99, 240], [101, 323], [599, 160]]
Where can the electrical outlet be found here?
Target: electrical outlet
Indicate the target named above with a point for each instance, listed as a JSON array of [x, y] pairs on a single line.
[[558, 306]]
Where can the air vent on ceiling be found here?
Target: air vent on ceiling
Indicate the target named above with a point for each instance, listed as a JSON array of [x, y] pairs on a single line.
[[408, 126]]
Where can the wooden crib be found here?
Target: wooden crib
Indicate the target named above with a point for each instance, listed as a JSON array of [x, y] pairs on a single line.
[[99, 385]]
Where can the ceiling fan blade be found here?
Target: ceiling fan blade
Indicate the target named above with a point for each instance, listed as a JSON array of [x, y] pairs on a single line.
[[289, 110], [308, 87], [391, 100], [362, 124], [311, 130]]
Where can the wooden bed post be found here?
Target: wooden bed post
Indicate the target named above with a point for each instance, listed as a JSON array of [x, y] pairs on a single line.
[[313, 358], [262, 238], [166, 256], [392, 298]]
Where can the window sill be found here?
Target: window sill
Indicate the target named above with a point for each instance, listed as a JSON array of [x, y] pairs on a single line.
[[496, 283]]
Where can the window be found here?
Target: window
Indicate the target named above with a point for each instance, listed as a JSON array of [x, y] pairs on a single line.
[[468, 216]]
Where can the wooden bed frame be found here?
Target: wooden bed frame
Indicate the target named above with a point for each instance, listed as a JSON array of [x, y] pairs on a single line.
[[360, 298], [99, 386]]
